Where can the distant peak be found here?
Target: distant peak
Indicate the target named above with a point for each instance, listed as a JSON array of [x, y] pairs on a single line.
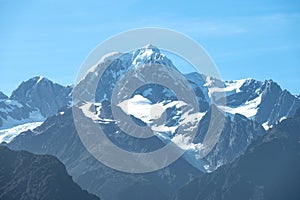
[[38, 79], [31, 83]]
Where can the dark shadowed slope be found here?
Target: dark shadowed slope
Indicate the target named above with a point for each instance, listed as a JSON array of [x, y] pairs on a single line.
[[25, 176]]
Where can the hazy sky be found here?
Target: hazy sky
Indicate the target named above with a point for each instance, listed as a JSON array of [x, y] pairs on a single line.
[[258, 39]]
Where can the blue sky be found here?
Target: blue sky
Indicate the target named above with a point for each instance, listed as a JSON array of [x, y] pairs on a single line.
[[258, 39]]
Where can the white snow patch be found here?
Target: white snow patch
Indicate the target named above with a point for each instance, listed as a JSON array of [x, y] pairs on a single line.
[[182, 141], [209, 81], [185, 143], [139, 107], [266, 125], [229, 86], [7, 135], [164, 129], [40, 78], [282, 118], [143, 109], [248, 109], [87, 111]]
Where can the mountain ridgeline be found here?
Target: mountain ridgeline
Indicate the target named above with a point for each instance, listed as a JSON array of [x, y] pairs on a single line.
[[34, 100], [252, 108]]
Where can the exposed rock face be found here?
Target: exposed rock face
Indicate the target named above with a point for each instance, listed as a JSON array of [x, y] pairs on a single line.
[[44, 95], [270, 169]]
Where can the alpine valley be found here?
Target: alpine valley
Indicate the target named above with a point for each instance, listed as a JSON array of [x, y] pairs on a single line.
[[259, 119]]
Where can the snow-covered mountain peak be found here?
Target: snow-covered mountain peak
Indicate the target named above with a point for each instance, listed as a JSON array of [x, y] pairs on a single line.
[[246, 96], [37, 79], [150, 54], [29, 85], [39, 93], [116, 65], [36, 84]]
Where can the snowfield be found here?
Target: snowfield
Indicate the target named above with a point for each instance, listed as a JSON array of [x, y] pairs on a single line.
[[7, 135]]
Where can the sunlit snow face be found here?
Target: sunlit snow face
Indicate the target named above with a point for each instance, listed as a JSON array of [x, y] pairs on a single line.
[[142, 108], [139, 107], [149, 103], [156, 111]]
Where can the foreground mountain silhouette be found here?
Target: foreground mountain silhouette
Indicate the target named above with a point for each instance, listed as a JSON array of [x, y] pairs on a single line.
[[25, 176]]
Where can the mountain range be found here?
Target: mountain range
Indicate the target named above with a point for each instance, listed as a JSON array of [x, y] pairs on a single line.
[[252, 108]]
